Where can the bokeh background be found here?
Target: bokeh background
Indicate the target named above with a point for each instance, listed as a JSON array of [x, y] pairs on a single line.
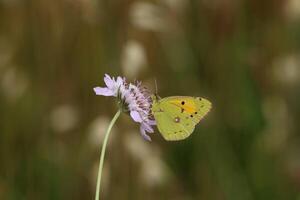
[[243, 55]]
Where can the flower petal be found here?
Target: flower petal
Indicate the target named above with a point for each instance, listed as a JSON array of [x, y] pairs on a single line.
[[110, 83], [147, 127], [151, 122], [119, 81], [144, 134], [136, 116], [103, 91]]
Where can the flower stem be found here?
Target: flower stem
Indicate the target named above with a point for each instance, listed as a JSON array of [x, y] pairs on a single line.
[[103, 153]]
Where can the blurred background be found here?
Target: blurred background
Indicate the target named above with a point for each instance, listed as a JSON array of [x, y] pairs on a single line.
[[242, 55]]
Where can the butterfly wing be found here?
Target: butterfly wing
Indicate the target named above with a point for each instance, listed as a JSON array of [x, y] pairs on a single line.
[[177, 116], [170, 125], [193, 108]]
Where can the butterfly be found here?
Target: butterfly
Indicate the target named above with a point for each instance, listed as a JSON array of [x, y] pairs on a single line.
[[177, 116]]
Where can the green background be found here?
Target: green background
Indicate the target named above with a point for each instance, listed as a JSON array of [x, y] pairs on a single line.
[[241, 55]]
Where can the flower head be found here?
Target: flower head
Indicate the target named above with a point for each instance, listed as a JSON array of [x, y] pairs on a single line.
[[132, 98]]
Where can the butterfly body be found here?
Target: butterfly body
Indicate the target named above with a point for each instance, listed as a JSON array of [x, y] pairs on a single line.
[[177, 116]]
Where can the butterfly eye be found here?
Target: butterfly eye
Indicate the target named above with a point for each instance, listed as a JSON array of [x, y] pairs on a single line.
[[192, 116], [182, 103], [196, 113]]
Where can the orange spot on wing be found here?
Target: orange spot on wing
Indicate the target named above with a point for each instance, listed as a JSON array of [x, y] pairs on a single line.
[[188, 106]]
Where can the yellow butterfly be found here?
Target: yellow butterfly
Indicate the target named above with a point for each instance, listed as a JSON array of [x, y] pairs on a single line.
[[177, 116]]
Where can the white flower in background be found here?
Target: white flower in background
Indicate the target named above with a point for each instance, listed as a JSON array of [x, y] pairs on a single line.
[[292, 9], [64, 118], [136, 147], [97, 130], [14, 83], [286, 69], [154, 171], [133, 58], [148, 16]]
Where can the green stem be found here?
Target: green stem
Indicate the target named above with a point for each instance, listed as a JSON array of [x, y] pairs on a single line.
[[103, 153]]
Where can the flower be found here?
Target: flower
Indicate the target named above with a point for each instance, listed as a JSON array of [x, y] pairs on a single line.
[[132, 98]]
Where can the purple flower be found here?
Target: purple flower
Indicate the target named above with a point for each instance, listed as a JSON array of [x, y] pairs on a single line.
[[133, 98]]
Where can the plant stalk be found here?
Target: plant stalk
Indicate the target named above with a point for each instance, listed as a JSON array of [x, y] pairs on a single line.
[[103, 153]]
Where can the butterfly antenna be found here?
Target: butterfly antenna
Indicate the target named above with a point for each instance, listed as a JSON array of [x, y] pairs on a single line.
[[155, 87], [156, 90]]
